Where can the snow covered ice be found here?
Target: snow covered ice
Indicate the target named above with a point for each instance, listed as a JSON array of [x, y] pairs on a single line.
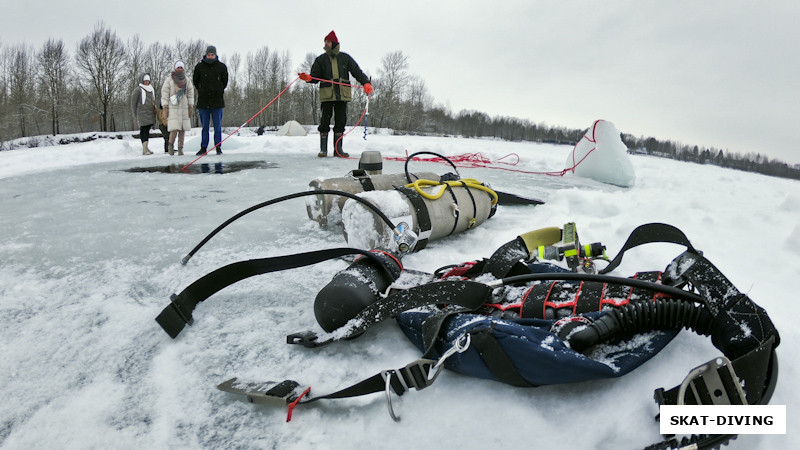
[[90, 254]]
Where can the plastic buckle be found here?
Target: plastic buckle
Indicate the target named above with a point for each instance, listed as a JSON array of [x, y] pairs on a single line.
[[307, 339], [708, 386]]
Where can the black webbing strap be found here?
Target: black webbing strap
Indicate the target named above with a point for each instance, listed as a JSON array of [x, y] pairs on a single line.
[[366, 183], [468, 294], [506, 257], [179, 312], [423, 217], [433, 325], [649, 233], [496, 359], [414, 375], [456, 211], [733, 311], [474, 205]]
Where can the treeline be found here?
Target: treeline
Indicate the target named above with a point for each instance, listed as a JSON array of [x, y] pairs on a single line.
[[750, 162], [55, 90]]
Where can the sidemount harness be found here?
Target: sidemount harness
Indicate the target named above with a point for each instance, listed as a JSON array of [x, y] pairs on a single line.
[[531, 329]]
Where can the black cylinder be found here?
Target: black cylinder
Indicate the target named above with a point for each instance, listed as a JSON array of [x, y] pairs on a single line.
[[355, 288]]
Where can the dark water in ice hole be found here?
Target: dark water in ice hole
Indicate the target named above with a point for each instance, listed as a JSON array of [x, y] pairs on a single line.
[[203, 168]]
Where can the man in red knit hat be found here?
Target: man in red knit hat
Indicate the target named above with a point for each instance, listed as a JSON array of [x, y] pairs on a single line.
[[334, 65]]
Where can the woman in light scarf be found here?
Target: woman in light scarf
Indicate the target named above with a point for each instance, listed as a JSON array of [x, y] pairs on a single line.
[[177, 97], [143, 104]]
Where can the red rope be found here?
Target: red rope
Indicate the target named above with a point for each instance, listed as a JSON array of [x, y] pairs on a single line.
[[336, 82], [478, 161], [335, 144], [244, 124]]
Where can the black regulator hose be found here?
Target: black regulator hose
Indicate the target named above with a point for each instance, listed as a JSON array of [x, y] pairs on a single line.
[[639, 317], [684, 309], [405, 168], [369, 205]]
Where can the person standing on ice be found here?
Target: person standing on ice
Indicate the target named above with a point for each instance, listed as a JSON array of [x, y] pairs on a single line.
[[143, 104], [210, 78], [177, 96], [334, 65]]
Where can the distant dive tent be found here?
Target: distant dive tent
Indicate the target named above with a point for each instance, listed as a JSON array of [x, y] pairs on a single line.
[[291, 128]]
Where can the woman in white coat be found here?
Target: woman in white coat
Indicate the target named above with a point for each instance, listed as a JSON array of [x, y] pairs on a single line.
[[177, 96]]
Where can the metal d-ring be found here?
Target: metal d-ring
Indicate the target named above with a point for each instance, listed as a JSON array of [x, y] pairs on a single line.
[[387, 375]]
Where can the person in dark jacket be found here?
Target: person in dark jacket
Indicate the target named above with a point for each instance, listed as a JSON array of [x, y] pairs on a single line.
[[210, 79], [143, 104], [334, 65]]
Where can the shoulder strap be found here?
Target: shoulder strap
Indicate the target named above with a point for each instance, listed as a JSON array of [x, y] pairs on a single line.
[[179, 312], [648, 233]]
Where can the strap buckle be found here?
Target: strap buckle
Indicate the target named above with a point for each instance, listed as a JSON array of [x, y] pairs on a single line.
[[420, 373], [713, 383], [307, 339], [264, 393]]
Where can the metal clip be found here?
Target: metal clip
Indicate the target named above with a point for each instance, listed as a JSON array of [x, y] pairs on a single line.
[[460, 346]]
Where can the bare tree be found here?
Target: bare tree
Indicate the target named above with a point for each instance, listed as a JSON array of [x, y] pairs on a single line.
[[190, 52], [258, 80], [4, 106], [419, 101], [53, 61], [100, 57], [390, 88], [135, 53], [21, 77], [158, 62], [308, 101], [233, 96]]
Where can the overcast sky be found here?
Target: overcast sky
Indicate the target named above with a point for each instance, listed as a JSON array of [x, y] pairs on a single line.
[[710, 73]]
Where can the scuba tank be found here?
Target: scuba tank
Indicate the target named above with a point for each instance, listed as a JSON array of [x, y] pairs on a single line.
[[326, 209], [354, 288], [432, 210]]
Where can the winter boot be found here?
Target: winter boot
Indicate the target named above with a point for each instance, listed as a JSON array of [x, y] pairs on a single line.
[[201, 152], [323, 145], [171, 149], [219, 149], [180, 151], [337, 142], [145, 150]]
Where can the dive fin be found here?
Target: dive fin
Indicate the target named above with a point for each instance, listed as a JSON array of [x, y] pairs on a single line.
[[504, 198]]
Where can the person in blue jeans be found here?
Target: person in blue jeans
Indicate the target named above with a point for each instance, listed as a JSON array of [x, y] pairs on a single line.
[[210, 78]]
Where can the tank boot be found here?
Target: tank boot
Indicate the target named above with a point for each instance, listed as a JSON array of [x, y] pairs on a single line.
[[337, 142], [171, 149], [323, 145], [180, 151], [145, 150]]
